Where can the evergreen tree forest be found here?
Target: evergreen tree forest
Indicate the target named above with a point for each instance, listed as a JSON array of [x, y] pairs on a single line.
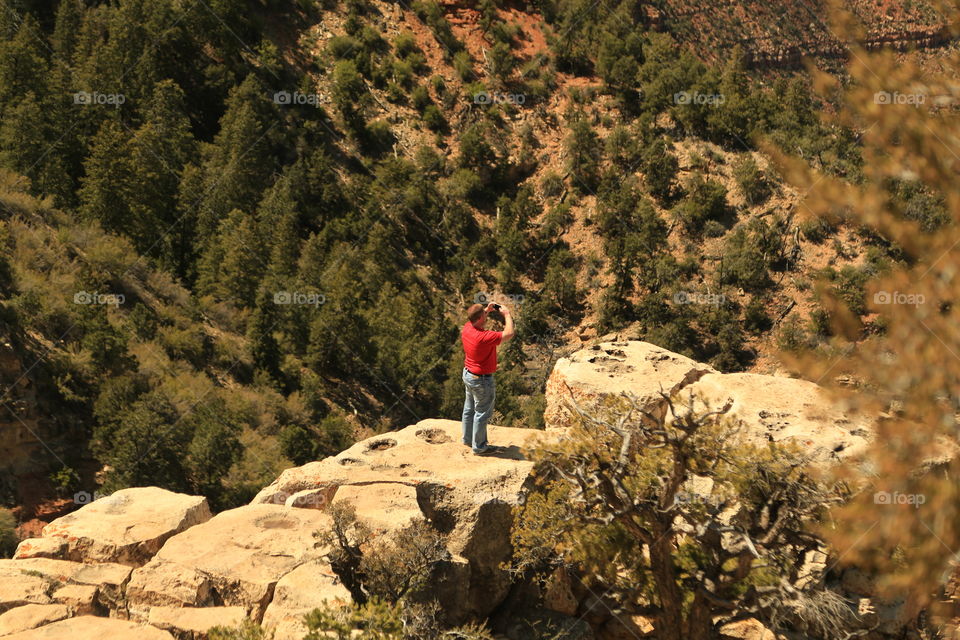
[[239, 234]]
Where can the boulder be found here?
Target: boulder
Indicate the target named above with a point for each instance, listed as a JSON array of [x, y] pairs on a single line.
[[608, 369], [233, 559], [126, 527], [307, 587], [81, 599], [770, 408], [187, 623], [108, 578], [423, 471], [92, 628], [18, 588], [31, 616], [778, 409], [749, 629], [41, 548]]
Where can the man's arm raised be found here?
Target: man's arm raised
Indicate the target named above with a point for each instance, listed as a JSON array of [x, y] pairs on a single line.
[[508, 331]]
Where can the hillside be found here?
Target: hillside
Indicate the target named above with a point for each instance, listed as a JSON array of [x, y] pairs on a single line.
[[238, 239]]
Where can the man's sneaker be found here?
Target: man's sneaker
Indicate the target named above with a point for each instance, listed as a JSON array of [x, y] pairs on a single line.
[[489, 450]]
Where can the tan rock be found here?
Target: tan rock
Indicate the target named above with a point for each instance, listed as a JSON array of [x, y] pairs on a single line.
[[748, 630], [608, 369], [779, 409], [127, 527], [92, 628], [109, 578], [424, 471], [20, 588], [41, 548], [194, 623], [235, 558], [770, 408], [31, 616], [80, 598], [307, 587]]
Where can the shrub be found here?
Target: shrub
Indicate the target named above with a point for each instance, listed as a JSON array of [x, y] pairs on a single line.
[[751, 180], [551, 184], [405, 43], [463, 65], [706, 200]]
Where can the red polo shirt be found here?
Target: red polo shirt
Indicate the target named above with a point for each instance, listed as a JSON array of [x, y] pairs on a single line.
[[480, 349]]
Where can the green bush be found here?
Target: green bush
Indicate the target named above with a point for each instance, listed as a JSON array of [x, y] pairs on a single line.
[[752, 182], [706, 199]]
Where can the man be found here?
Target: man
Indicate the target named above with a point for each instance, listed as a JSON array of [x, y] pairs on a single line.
[[479, 364]]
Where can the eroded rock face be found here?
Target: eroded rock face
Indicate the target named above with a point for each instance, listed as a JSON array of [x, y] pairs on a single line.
[[234, 559], [778, 409], [770, 408], [126, 527], [298, 593], [424, 471], [607, 369]]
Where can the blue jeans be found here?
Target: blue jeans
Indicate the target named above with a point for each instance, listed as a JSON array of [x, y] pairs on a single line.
[[477, 409]]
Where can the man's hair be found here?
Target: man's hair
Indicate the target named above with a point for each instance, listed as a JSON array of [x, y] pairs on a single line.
[[474, 312]]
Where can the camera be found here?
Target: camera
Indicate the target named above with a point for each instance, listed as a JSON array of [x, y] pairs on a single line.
[[496, 307]]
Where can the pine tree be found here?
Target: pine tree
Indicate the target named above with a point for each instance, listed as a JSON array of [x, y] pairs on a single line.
[[263, 345], [239, 164], [104, 191], [159, 150]]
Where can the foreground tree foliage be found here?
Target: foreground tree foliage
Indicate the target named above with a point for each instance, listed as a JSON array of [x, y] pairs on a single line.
[[903, 365], [676, 518]]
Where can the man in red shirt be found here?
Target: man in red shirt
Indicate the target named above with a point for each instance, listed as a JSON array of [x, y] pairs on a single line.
[[479, 364]]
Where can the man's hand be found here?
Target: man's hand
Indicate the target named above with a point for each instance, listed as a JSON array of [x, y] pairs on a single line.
[[491, 307]]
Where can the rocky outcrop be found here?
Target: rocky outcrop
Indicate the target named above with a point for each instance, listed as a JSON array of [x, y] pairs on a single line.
[[92, 628], [148, 562], [603, 371], [233, 559], [424, 472], [126, 527], [768, 408], [777, 409]]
